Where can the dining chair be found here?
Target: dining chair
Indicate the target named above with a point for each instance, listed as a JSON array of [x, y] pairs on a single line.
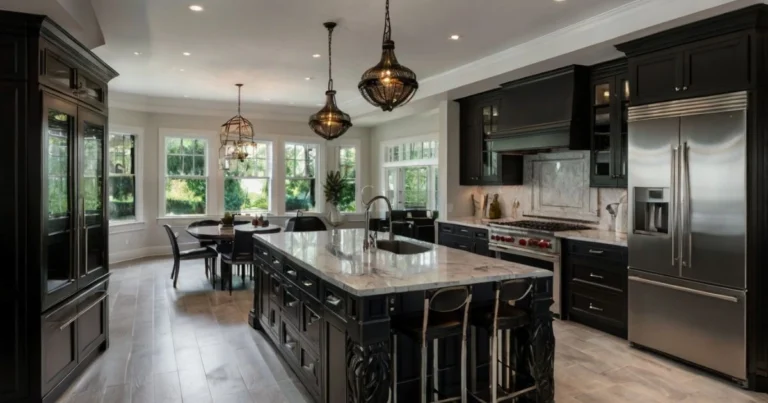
[[207, 253], [240, 256]]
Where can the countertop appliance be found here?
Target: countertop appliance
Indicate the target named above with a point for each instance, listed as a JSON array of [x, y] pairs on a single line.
[[532, 243], [687, 238]]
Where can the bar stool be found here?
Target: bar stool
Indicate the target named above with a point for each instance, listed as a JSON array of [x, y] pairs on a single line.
[[443, 317], [506, 318]]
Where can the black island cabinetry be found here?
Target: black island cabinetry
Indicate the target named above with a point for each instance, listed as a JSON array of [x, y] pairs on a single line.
[[53, 118], [338, 343]]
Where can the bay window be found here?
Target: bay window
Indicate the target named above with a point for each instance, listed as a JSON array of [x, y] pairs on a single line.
[[186, 176], [247, 183], [122, 176], [348, 169], [300, 176]]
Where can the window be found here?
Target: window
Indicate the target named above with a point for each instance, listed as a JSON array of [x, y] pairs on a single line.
[[416, 192], [247, 183], [300, 176], [186, 176], [122, 176], [347, 167], [418, 150], [410, 174]]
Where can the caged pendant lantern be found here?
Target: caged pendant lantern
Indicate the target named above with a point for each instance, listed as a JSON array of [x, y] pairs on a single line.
[[388, 84], [330, 122], [236, 136]]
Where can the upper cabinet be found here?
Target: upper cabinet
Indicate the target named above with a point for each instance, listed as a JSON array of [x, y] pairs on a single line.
[[62, 74], [700, 59], [610, 102]]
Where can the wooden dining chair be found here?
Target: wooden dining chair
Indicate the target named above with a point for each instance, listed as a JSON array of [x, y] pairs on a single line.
[[240, 256], [206, 253]]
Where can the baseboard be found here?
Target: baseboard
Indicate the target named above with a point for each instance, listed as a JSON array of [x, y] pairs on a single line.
[[151, 251]]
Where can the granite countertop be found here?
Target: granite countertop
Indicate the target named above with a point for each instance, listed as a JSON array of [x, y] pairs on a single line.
[[471, 221], [337, 257]]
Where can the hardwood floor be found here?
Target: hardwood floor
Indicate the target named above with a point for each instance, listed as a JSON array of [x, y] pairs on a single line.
[[193, 344]]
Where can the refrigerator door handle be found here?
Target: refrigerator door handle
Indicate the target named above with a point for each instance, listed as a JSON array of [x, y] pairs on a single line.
[[685, 215], [685, 289], [675, 180]]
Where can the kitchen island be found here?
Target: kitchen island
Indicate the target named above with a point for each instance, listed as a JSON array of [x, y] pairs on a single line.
[[327, 304]]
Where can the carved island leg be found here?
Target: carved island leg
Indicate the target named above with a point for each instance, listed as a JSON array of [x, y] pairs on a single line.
[[368, 372], [536, 346]]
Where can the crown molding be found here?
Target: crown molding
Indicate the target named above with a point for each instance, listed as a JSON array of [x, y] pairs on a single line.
[[595, 36]]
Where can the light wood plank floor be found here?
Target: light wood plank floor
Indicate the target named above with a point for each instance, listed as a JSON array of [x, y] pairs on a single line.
[[193, 344]]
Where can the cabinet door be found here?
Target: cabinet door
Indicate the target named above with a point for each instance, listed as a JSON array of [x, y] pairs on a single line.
[[469, 154], [604, 120], [264, 292], [489, 159], [59, 347], [57, 72], [334, 360], [91, 321], [656, 77], [60, 226], [92, 219], [91, 90], [717, 66], [621, 140]]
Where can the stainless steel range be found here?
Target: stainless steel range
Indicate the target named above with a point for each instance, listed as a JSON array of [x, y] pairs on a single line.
[[532, 243]]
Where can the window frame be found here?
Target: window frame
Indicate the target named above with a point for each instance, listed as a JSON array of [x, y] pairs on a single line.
[[270, 160], [163, 169], [319, 196], [431, 164], [138, 147], [355, 144]]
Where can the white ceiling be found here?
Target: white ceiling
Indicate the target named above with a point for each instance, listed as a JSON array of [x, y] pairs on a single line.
[[268, 44]]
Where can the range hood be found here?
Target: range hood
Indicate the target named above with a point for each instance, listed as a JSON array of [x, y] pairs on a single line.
[[545, 112]]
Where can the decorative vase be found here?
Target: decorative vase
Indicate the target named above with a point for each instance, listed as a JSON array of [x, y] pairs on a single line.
[[334, 216], [494, 211]]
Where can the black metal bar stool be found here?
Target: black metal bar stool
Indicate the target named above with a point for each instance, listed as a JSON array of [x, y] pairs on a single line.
[[443, 317], [506, 319]]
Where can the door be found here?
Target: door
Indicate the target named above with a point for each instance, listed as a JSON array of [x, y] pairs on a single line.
[[703, 324], [92, 219], [656, 77], [652, 151], [60, 227], [715, 213]]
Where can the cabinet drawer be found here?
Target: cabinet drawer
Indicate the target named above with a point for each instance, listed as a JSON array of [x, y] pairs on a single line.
[[480, 234], [291, 273], [457, 242], [91, 321], [275, 260], [309, 284], [311, 323], [614, 278], [261, 253], [445, 228], [607, 305], [598, 251], [289, 341], [274, 318], [290, 304], [275, 287], [333, 300], [310, 367], [464, 231]]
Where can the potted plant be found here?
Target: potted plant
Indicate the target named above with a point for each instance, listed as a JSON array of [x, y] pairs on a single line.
[[227, 221], [334, 184]]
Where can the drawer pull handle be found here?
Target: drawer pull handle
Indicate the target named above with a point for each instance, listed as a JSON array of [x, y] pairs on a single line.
[[593, 275], [292, 304], [313, 319], [594, 308], [264, 253], [333, 300], [309, 368], [83, 312], [290, 345], [306, 283], [464, 231], [596, 252], [291, 273], [275, 261]]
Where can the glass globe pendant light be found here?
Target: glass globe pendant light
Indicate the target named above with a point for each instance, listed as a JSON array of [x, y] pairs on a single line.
[[236, 137], [330, 122], [388, 84]]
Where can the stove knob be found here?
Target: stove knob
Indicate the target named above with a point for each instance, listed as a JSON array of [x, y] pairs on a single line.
[[533, 242], [510, 239], [494, 237], [544, 244], [523, 242]]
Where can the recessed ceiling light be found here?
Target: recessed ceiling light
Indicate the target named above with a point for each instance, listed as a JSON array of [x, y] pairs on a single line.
[[186, 54], [268, 99], [137, 53], [316, 55], [455, 37], [559, 1], [307, 78], [181, 70], [186, 96], [196, 7]]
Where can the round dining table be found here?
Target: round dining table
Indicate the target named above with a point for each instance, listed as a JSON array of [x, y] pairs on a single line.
[[227, 235]]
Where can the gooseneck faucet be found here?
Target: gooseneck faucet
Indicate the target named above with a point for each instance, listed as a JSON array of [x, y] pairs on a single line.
[[367, 243]]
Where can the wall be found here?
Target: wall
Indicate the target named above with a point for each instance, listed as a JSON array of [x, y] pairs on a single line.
[[147, 236]]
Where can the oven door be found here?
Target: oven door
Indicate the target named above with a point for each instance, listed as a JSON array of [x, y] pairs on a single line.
[[538, 260]]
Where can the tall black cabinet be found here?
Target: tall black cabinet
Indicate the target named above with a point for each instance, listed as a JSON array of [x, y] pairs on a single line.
[[53, 122]]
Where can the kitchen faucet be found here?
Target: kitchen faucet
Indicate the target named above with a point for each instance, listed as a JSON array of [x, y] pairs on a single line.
[[368, 242]]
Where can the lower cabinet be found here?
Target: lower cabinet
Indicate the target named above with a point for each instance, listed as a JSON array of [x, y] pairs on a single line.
[[595, 277], [335, 353], [468, 239]]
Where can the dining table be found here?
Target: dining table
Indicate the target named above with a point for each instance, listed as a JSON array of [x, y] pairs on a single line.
[[226, 235]]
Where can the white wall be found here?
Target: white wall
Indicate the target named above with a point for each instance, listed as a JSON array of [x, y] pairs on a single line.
[[147, 237]]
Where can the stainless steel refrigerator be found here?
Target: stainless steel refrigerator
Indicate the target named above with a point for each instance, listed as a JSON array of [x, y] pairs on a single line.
[[687, 238]]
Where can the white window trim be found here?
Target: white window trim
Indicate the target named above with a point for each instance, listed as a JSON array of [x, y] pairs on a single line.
[[411, 139], [211, 161], [333, 150], [139, 172], [270, 168], [320, 151]]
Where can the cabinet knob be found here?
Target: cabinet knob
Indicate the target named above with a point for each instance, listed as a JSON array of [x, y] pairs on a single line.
[[677, 89], [685, 88]]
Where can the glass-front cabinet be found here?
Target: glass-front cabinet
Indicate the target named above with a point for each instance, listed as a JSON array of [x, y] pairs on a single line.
[[73, 185], [490, 164], [610, 100]]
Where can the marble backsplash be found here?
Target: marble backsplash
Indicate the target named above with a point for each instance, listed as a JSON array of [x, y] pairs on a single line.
[[573, 192]]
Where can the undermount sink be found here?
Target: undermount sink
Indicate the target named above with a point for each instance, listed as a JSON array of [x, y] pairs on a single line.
[[401, 247]]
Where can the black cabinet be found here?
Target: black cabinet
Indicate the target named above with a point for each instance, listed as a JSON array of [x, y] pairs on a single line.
[[676, 64], [595, 285], [54, 159], [610, 103], [468, 239], [480, 164]]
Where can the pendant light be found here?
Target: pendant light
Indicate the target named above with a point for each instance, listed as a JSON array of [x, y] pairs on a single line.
[[330, 122], [388, 84], [236, 136]]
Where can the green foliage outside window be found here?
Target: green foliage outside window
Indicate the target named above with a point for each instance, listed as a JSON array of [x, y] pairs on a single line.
[[185, 184]]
